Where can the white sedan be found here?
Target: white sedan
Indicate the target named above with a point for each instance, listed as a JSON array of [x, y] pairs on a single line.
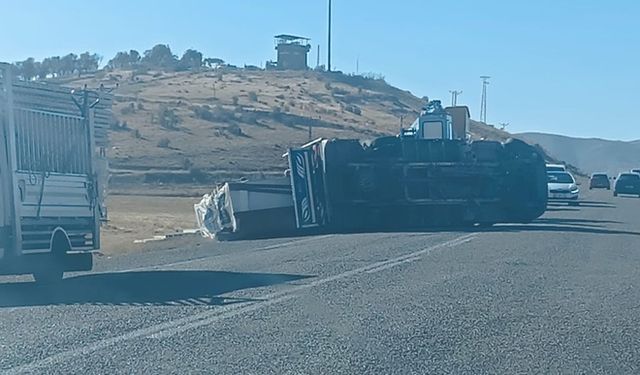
[[562, 186]]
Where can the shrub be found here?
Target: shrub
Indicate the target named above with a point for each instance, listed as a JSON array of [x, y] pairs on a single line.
[[137, 134], [253, 96], [118, 126], [187, 164], [216, 114], [168, 118], [198, 174], [339, 91], [235, 129], [140, 107], [164, 143], [235, 100], [353, 109], [203, 113]]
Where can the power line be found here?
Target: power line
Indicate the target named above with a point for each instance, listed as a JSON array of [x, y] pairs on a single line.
[[483, 103], [454, 97], [329, 40]]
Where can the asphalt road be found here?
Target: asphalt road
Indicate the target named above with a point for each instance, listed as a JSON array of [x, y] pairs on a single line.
[[561, 295]]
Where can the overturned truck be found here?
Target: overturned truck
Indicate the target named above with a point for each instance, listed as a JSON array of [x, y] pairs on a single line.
[[429, 175]]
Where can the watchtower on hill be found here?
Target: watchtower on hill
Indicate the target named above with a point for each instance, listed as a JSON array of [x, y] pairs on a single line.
[[292, 52]]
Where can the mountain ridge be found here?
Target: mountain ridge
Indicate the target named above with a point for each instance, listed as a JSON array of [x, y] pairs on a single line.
[[589, 154]]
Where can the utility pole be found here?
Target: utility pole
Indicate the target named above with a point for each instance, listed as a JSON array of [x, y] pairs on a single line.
[[318, 57], [483, 103], [357, 65], [454, 97], [329, 41]]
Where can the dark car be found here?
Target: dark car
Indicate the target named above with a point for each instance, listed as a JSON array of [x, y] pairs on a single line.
[[599, 181], [627, 183]]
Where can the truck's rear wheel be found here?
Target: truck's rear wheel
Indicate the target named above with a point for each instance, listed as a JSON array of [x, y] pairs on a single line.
[[51, 270], [49, 276]]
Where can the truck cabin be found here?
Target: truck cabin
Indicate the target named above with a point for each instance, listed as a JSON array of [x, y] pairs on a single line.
[[436, 122]]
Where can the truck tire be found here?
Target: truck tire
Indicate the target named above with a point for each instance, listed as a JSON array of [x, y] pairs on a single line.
[[527, 198], [51, 269], [49, 276]]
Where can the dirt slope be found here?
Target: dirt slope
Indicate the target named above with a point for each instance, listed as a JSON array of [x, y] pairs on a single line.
[[199, 127]]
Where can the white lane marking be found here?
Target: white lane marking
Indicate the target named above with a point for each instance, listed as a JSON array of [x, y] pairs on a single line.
[[207, 318], [173, 327], [194, 260], [391, 265]]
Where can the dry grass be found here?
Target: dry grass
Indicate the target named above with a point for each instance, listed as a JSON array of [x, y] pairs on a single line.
[[297, 99], [138, 217]]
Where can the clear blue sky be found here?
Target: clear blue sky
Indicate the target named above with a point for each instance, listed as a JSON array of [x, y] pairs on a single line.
[[566, 67]]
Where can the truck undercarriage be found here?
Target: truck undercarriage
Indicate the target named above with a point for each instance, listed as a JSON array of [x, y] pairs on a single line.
[[391, 184]]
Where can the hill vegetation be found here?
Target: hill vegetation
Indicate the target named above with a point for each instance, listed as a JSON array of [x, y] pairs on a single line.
[[197, 120]]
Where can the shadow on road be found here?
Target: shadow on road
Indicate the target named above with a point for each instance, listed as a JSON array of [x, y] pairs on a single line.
[[552, 205], [576, 221], [558, 209], [153, 288]]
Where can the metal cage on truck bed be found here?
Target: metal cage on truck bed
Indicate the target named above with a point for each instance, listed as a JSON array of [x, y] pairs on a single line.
[[51, 198]]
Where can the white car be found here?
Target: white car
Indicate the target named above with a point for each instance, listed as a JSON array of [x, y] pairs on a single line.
[[556, 168], [562, 186]]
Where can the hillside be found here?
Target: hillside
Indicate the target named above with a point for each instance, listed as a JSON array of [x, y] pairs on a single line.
[[210, 125], [589, 154]]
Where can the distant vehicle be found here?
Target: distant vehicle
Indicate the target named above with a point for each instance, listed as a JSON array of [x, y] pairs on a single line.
[[599, 181], [556, 168], [562, 186], [627, 183], [635, 171]]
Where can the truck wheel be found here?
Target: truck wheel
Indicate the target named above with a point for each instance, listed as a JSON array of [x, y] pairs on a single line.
[[615, 193], [51, 269], [50, 276]]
